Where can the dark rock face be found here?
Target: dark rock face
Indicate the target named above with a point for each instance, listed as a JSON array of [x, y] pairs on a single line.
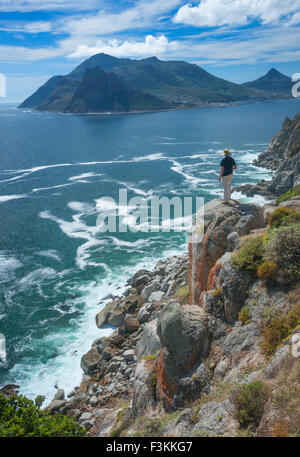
[[282, 156], [101, 92]]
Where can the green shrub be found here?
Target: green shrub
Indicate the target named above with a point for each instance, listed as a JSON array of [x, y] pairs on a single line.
[[283, 216], [116, 432], [20, 416], [244, 315], [183, 294], [267, 270], [283, 248], [249, 401], [217, 292], [278, 326], [152, 428], [150, 356], [250, 255], [294, 192]]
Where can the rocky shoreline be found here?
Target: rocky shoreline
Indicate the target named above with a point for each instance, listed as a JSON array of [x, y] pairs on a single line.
[[179, 343], [109, 366]]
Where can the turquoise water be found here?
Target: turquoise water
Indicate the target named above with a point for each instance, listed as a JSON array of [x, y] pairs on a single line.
[[54, 264]]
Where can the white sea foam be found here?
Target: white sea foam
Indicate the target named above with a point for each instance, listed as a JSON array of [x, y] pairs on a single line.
[[35, 277], [51, 253], [150, 157], [81, 207], [64, 369], [180, 169], [6, 198], [38, 189], [83, 176], [8, 266], [258, 199]]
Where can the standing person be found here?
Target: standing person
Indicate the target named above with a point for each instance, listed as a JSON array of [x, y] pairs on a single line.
[[227, 166]]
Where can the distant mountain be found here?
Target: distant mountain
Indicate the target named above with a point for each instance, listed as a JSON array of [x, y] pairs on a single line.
[[272, 82], [150, 84]]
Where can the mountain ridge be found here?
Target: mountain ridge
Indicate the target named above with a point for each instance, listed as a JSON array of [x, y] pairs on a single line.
[[177, 83]]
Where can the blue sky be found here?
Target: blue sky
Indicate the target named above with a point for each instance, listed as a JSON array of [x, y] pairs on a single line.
[[238, 40]]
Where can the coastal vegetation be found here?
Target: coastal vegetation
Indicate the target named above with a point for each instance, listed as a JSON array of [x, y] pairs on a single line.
[[276, 254], [20, 416]]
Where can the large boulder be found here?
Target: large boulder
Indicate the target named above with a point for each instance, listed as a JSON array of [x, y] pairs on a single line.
[[90, 360], [131, 323], [219, 222], [149, 341], [111, 312], [115, 311], [144, 388], [216, 419], [229, 290], [184, 340], [55, 405]]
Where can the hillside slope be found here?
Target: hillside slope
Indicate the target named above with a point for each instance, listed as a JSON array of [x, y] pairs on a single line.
[[100, 91]]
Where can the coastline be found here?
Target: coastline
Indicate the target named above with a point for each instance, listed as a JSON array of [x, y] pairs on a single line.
[[182, 108]]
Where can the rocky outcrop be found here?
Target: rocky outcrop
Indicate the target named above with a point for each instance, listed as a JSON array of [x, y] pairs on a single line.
[[228, 290], [183, 337], [220, 221], [282, 156]]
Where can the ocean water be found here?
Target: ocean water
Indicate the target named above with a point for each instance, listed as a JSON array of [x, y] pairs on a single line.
[[55, 266]]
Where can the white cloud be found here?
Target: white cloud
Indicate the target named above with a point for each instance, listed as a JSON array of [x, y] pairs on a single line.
[[23, 54], [151, 45], [143, 13], [46, 5], [26, 27], [268, 44], [213, 13]]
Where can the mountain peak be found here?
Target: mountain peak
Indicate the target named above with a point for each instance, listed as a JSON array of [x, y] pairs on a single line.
[[273, 81], [151, 59], [273, 72]]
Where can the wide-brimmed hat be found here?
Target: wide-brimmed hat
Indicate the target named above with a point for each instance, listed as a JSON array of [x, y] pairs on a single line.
[[227, 151]]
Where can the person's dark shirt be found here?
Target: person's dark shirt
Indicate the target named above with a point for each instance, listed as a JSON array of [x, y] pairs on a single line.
[[228, 164]]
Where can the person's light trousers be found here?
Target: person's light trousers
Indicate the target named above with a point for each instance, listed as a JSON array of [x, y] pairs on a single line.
[[227, 187]]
